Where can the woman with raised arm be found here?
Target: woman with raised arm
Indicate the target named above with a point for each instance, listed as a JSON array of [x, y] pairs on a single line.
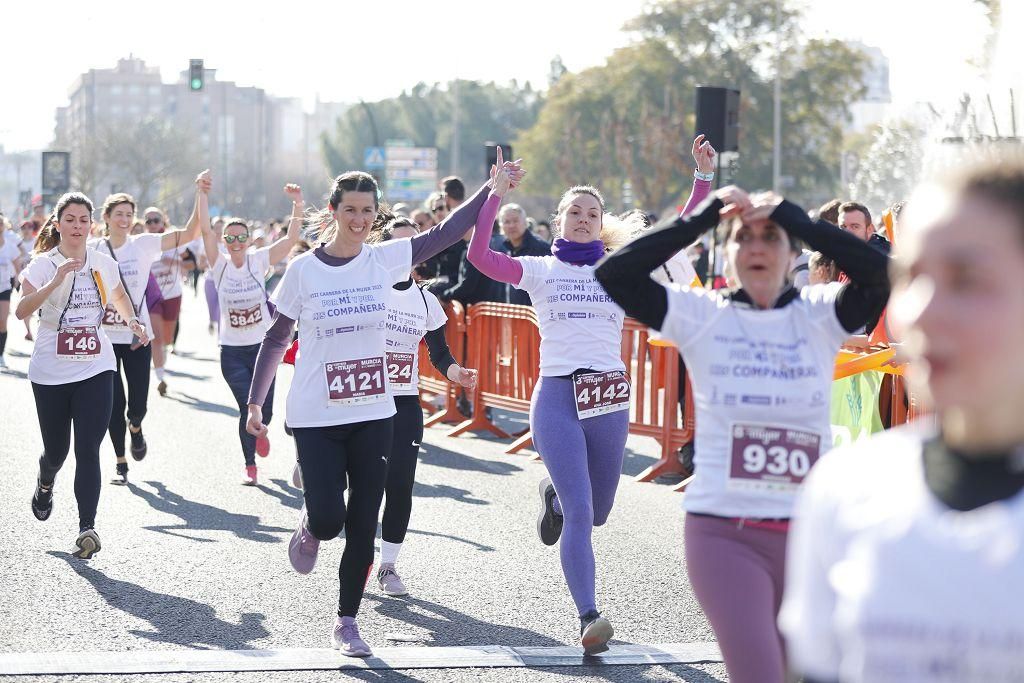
[[760, 360], [244, 310], [134, 255], [340, 404], [72, 364]]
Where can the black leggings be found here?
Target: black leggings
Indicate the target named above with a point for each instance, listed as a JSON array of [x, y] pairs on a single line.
[[332, 459], [87, 403], [135, 367], [405, 449]]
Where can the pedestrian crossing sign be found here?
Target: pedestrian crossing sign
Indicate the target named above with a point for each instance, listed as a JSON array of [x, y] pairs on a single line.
[[373, 157]]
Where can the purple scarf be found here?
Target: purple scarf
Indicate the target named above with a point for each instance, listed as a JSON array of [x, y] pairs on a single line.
[[578, 253]]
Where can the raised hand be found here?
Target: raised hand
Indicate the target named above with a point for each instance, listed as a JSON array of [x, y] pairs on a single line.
[[704, 154], [761, 206], [204, 181], [294, 193], [501, 177], [736, 201]]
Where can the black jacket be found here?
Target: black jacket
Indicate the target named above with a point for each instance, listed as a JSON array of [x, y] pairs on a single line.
[[530, 246], [470, 286]]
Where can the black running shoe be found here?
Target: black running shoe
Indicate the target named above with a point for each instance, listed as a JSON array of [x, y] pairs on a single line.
[[139, 447], [122, 474], [549, 523], [42, 502], [595, 632]]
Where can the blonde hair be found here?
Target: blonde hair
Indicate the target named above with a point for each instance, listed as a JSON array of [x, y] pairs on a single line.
[[615, 231]]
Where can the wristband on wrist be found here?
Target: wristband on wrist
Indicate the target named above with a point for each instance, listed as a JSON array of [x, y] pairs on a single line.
[[700, 175]]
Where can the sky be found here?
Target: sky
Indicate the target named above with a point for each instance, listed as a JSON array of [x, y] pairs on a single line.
[[346, 51]]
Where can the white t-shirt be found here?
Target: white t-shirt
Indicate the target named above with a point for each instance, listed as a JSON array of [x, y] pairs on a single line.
[[9, 251], [242, 296], [761, 384], [411, 314], [886, 584], [78, 302], [676, 271], [580, 325], [167, 271], [134, 259], [342, 314]]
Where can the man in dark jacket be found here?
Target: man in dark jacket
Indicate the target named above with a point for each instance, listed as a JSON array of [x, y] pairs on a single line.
[[472, 286], [519, 241]]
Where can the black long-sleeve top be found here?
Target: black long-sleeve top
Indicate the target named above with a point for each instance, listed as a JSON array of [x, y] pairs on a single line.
[[625, 274]]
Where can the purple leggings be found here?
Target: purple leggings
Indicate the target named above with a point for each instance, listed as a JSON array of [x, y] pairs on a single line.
[[584, 460], [737, 574], [212, 301]]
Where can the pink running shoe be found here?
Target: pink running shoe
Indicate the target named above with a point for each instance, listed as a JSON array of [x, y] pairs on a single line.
[[262, 446], [347, 639], [250, 476], [304, 546]]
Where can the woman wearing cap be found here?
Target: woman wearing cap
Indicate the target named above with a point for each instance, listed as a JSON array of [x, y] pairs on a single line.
[[72, 364]]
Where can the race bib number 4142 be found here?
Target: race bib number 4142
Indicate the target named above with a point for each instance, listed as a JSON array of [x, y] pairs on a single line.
[[355, 382], [601, 392], [771, 458]]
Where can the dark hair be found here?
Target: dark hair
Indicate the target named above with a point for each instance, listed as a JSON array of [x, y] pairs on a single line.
[[856, 206], [454, 188], [829, 211], [818, 260], [321, 223], [387, 232], [49, 237]]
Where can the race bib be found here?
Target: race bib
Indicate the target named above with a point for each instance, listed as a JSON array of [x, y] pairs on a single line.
[[112, 319], [78, 343], [771, 459], [354, 382], [242, 318], [601, 392], [400, 369]]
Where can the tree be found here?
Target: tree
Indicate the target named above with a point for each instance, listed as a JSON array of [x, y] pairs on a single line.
[[638, 103]]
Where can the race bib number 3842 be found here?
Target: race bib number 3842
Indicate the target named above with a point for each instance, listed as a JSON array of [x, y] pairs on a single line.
[[601, 392], [355, 382], [771, 458]]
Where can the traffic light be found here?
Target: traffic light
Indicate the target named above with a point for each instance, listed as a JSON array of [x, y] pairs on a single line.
[[492, 154], [195, 74]]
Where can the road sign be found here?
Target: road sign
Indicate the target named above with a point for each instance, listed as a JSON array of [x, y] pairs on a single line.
[[411, 172], [374, 157]]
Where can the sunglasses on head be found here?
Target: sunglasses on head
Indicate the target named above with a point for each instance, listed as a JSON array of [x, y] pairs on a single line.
[[236, 238], [151, 221]]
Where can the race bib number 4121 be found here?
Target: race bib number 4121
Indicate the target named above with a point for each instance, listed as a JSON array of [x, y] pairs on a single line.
[[355, 382]]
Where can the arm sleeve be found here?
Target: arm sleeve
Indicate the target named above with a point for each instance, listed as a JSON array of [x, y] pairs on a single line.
[[493, 264], [450, 230], [626, 273], [701, 189], [863, 298], [275, 343], [440, 355]]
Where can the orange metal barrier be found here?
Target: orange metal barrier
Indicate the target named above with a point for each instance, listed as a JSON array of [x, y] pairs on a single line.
[[431, 382], [504, 347]]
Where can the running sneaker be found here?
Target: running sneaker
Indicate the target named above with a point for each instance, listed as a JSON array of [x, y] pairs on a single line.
[[162, 388], [3, 363], [42, 502], [87, 544], [138, 447], [304, 546], [347, 639], [250, 476], [549, 523], [390, 582], [122, 474], [297, 476], [595, 632], [262, 446]]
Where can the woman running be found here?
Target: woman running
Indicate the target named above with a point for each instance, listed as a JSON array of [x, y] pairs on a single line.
[[135, 255], [414, 315], [245, 315], [760, 360], [906, 559], [580, 434], [10, 265], [167, 270], [72, 364], [340, 404]]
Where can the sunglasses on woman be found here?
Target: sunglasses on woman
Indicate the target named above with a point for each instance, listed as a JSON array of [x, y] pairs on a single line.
[[236, 238]]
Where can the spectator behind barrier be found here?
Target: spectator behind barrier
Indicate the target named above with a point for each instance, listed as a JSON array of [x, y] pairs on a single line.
[[518, 240]]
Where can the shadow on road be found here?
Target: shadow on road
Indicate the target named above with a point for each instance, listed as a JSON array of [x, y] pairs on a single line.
[[445, 491], [458, 539], [189, 375], [442, 457], [191, 355], [200, 404], [174, 619], [288, 495], [633, 463], [203, 517]]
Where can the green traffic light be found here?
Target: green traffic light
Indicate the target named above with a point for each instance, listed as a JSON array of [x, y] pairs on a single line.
[[197, 84]]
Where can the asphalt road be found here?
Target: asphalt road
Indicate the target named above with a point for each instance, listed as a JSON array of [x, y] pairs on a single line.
[[193, 560]]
